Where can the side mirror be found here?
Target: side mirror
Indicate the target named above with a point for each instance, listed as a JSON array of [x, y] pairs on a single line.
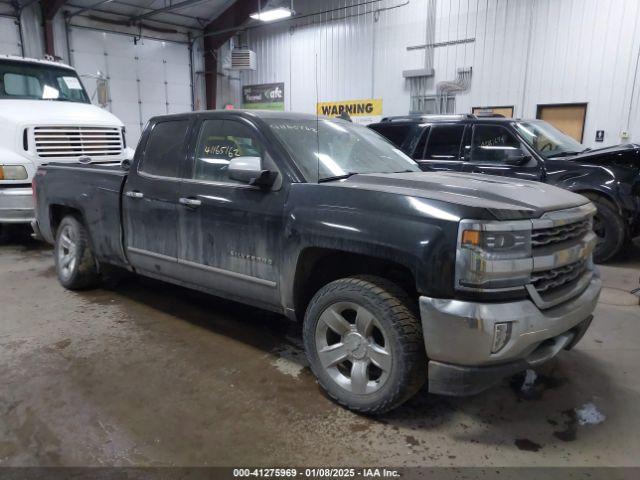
[[125, 164], [249, 170], [102, 90], [517, 160]]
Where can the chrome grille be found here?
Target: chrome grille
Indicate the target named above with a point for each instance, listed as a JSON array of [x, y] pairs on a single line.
[[75, 142], [561, 233], [549, 280]]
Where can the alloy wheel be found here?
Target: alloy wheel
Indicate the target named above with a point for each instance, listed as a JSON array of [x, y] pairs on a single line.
[[353, 348], [67, 252]]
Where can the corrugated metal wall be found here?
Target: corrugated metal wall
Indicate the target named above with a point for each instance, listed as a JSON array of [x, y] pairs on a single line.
[[524, 53]]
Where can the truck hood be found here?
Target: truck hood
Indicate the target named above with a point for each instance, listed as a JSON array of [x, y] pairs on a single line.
[[530, 199], [47, 112], [628, 150]]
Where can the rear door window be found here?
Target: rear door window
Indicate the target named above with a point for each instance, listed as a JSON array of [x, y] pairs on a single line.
[[165, 151], [399, 135], [444, 142]]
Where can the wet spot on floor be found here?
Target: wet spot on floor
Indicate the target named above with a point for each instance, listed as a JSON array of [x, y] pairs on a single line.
[[530, 385], [527, 445], [48, 272], [359, 427], [412, 441], [62, 344], [570, 432]]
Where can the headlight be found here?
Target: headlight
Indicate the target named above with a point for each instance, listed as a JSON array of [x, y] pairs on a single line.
[[493, 255], [13, 172]]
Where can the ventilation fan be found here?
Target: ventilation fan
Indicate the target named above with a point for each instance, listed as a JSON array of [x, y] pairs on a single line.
[[243, 59]]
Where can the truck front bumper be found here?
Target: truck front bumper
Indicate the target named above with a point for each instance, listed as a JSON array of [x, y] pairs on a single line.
[[459, 338], [16, 205]]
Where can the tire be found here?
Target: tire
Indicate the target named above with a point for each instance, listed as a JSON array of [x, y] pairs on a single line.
[[76, 266], [610, 228], [374, 336]]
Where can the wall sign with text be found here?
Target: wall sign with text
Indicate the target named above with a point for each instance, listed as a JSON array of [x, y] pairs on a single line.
[[368, 107], [266, 96]]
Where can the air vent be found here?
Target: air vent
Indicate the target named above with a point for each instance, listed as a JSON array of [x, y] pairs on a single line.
[[243, 59]]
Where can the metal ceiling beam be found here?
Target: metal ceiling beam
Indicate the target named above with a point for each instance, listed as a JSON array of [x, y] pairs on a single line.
[[226, 23], [125, 15], [201, 21], [88, 8], [168, 9]]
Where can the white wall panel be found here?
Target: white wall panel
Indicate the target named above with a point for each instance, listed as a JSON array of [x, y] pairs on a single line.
[[9, 37], [148, 79], [525, 53]]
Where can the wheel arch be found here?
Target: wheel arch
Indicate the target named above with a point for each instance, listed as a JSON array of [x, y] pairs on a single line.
[[317, 266]]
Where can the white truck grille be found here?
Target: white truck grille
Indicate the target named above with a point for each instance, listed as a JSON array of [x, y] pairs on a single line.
[[75, 142]]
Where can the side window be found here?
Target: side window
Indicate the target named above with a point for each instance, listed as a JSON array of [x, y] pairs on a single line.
[[218, 142], [493, 144], [418, 152], [165, 149], [396, 134], [444, 142]]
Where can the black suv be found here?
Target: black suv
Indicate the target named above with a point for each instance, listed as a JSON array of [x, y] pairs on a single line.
[[531, 150]]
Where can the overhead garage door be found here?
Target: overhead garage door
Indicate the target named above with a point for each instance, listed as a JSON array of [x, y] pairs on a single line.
[[9, 37], [147, 79]]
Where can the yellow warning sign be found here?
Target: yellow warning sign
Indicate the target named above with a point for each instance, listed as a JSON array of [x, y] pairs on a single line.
[[355, 108]]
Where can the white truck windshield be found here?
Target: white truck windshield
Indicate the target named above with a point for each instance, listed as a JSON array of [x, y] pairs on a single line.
[[30, 81]]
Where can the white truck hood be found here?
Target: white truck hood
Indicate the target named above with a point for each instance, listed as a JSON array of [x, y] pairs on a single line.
[[51, 112]]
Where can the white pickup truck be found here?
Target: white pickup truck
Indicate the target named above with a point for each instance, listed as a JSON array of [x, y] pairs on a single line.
[[46, 115]]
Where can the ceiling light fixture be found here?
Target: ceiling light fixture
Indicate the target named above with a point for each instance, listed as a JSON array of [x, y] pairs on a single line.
[[272, 14]]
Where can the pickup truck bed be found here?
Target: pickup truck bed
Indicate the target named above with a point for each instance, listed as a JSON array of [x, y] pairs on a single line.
[[97, 192]]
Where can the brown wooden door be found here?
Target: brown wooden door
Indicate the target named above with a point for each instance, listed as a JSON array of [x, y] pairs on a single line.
[[568, 118]]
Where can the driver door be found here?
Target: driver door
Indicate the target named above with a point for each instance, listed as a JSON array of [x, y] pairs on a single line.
[[493, 149], [230, 232]]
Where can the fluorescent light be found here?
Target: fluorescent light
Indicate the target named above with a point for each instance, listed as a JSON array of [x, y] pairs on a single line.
[[272, 14]]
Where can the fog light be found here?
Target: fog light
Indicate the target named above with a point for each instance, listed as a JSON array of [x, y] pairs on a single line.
[[13, 172], [501, 335]]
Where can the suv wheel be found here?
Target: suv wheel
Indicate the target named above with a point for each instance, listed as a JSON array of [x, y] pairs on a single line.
[[364, 344], [610, 229], [75, 265]]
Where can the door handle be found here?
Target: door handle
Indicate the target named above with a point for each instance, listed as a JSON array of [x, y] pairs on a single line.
[[134, 194], [190, 202]]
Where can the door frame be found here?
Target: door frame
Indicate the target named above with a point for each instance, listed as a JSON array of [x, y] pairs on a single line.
[[541, 106]]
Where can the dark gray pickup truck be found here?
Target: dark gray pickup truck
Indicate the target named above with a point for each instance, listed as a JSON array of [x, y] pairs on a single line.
[[400, 276]]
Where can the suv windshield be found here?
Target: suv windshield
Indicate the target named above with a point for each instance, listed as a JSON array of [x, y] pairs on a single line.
[[30, 81], [548, 140], [327, 149]]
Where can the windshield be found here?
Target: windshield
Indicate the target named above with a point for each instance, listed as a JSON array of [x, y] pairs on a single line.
[[19, 80], [548, 140], [326, 149]]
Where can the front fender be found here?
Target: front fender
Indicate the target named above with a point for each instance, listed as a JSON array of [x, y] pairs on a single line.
[[427, 249]]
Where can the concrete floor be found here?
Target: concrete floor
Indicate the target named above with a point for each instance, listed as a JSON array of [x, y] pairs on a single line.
[[151, 374]]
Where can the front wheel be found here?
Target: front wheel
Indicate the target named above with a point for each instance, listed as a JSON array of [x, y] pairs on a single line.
[[364, 344], [75, 265], [610, 229]]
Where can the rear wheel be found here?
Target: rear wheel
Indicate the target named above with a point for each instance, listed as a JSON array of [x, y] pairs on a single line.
[[364, 344], [76, 266], [610, 228]]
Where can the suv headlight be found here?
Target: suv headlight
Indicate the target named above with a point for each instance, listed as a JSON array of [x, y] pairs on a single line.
[[13, 172], [493, 255]]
